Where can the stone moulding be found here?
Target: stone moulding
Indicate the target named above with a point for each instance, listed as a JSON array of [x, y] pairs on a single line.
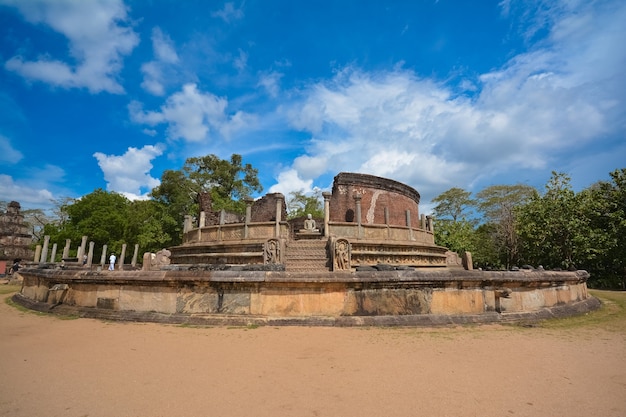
[[399, 297]]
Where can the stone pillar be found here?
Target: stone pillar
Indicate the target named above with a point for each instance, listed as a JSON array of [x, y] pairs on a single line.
[[133, 263], [83, 247], [37, 253], [248, 201], [467, 261], [423, 222], [187, 225], [44, 251], [326, 196], [429, 224], [408, 224], [103, 257], [357, 201], [202, 221], [66, 249], [90, 256], [122, 256], [279, 213], [54, 253]]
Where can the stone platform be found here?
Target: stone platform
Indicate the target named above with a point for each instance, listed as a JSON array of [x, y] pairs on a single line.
[[368, 298]]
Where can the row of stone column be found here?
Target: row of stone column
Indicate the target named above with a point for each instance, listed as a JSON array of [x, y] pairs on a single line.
[[41, 253]]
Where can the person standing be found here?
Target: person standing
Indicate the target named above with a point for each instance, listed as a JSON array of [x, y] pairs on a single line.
[[112, 259]]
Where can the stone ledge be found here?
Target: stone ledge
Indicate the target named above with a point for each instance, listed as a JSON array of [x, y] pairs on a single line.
[[419, 320]]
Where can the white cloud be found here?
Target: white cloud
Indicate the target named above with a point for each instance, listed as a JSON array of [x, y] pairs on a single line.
[[241, 61], [229, 13], [192, 115], [25, 194], [129, 174], [157, 71], [289, 181], [7, 152], [566, 92], [270, 81], [98, 37]]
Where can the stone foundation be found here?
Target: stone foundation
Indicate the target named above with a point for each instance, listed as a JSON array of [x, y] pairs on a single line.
[[421, 296]]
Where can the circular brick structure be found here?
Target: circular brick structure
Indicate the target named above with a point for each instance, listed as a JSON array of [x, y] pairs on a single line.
[[383, 201]]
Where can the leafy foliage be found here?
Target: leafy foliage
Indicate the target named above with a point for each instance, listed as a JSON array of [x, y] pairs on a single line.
[[228, 182], [453, 203], [497, 203], [299, 204]]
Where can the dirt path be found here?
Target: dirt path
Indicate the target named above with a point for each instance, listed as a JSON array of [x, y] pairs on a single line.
[[84, 367]]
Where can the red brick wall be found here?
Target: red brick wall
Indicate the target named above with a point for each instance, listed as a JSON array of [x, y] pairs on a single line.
[[377, 193], [264, 209]]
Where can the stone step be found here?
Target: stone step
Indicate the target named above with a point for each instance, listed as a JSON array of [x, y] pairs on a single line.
[[306, 256]]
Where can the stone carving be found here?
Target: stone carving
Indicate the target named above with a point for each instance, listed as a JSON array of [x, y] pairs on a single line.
[[309, 224], [162, 257], [154, 261], [271, 252], [341, 255]]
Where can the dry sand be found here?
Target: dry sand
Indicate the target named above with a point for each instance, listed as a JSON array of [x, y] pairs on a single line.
[[85, 367]]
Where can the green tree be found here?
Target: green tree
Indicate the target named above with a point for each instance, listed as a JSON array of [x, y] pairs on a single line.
[[150, 226], [550, 225], [498, 204], [101, 215], [453, 204], [603, 251], [228, 182], [299, 204], [453, 229]]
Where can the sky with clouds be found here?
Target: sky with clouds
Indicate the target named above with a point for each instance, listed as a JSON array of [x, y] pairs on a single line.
[[433, 93]]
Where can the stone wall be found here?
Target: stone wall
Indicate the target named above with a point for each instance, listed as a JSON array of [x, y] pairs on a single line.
[[276, 294], [264, 209], [376, 195]]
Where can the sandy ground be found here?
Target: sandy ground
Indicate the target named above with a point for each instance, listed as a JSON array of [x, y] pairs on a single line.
[[84, 367]]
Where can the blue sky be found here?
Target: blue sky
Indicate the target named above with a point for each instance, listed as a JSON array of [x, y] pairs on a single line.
[[436, 94]]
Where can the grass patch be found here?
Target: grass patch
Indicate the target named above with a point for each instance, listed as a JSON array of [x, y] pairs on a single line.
[[9, 289], [610, 316]]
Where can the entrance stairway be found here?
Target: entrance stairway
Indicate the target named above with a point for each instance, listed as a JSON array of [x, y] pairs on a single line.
[[306, 255]]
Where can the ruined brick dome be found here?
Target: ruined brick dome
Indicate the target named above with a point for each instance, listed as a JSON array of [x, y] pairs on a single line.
[[383, 201]]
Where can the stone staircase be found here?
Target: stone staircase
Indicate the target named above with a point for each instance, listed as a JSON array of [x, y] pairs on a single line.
[[306, 255]]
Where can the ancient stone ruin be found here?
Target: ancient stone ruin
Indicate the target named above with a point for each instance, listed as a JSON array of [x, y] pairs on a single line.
[[370, 222], [372, 260], [15, 237]]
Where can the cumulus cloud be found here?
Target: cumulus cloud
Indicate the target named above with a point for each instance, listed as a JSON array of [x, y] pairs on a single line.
[[192, 115], [129, 174], [98, 35], [24, 193], [289, 181], [157, 71], [565, 92]]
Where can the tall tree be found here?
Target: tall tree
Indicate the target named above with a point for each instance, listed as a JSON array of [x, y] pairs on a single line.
[[550, 225], [100, 215], [453, 204], [299, 204], [603, 251], [498, 204], [453, 229], [227, 182]]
